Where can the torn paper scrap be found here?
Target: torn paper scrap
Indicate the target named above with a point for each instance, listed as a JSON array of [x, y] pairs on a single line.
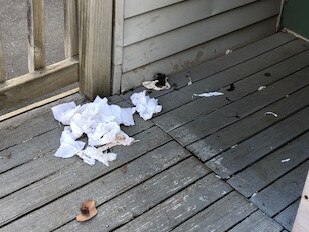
[[210, 94], [272, 113], [145, 105], [285, 160], [261, 87], [228, 51]]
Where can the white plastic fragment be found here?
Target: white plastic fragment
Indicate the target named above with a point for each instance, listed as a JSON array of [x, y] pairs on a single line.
[[145, 105], [285, 160], [152, 85], [209, 94], [272, 113], [261, 87], [190, 81], [228, 51]]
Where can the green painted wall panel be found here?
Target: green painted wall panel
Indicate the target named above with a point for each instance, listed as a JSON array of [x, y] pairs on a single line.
[[296, 16]]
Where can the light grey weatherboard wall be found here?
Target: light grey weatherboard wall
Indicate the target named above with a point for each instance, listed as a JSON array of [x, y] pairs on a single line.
[[173, 35]]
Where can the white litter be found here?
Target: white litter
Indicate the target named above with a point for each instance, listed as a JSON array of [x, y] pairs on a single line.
[[101, 123], [228, 51], [145, 105], [210, 94], [272, 113], [285, 160], [261, 88], [190, 81], [152, 85]]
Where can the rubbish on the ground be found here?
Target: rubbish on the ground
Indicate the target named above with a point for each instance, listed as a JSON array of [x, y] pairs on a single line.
[[267, 74], [100, 122], [210, 94], [285, 160], [188, 75], [261, 87], [145, 105], [228, 51], [160, 82], [124, 168], [272, 113], [231, 88], [232, 147], [88, 210], [219, 177]]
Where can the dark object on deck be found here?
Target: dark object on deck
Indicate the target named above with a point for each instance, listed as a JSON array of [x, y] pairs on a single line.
[[161, 78], [231, 88], [267, 74], [88, 211]]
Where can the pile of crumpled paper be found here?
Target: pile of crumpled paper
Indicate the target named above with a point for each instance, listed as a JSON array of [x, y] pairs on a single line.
[[101, 123]]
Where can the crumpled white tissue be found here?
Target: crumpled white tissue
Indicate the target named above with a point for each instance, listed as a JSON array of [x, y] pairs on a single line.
[[100, 122], [91, 154], [145, 105], [210, 94], [69, 147]]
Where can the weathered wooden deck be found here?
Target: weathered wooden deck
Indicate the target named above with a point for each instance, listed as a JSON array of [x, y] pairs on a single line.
[[203, 164]]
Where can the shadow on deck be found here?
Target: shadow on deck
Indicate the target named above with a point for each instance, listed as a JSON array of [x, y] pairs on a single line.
[[203, 164]]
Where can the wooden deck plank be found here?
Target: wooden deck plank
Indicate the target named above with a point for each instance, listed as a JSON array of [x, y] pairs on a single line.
[[288, 215], [180, 207], [136, 201], [64, 209], [220, 216], [227, 137], [221, 63], [260, 145], [235, 75], [257, 222], [54, 186], [270, 168], [212, 122], [283, 192]]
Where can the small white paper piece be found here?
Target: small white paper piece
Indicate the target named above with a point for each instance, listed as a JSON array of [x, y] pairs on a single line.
[[228, 51], [152, 85], [272, 113], [190, 81], [285, 160], [261, 87], [210, 94], [145, 105]]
